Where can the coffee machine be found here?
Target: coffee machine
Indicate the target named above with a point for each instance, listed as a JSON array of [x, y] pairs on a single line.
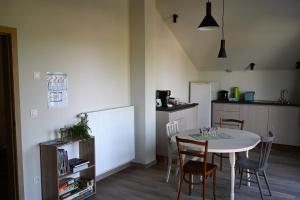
[[164, 96]]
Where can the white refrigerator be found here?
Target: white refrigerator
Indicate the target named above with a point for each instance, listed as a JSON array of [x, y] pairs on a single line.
[[203, 93]]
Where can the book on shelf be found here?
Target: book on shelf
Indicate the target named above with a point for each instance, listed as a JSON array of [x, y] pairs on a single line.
[[88, 193], [62, 162], [77, 164], [78, 193], [68, 181], [82, 167], [67, 185], [67, 189]]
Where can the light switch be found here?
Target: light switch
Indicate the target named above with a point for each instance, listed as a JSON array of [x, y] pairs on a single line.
[[36, 75], [33, 113]]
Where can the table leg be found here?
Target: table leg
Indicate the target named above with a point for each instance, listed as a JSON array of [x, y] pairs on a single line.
[[232, 165], [248, 175]]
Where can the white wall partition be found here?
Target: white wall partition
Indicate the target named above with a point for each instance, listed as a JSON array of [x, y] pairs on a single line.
[[114, 137]]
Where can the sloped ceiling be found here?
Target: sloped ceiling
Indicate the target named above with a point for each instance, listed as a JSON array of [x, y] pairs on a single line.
[[264, 32]]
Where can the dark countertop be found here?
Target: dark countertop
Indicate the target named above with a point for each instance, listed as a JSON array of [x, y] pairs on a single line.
[[177, 107], [258, 102]]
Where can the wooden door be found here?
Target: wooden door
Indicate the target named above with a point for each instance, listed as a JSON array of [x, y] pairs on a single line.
[[8, 165]]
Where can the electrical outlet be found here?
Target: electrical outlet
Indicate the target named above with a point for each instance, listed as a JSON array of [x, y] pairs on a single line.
[[34, 113], [37, 180], [36, 75]]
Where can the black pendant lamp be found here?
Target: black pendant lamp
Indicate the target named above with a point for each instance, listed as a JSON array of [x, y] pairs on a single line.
[[208, 23], [222, 52]]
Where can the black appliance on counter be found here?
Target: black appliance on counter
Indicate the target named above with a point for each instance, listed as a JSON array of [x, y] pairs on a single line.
[[164, 96], [223, 95]]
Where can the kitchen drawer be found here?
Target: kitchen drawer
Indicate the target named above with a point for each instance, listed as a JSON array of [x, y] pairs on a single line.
[[226, 107]]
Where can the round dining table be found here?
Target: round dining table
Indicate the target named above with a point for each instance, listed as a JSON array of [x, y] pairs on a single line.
[[228, 141]]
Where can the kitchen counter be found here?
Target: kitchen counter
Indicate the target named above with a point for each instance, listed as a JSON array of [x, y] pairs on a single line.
[[258, 102], [176, 107], [185, 114]]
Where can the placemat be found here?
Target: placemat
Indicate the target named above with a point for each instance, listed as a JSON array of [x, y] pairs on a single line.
[[199, 136]]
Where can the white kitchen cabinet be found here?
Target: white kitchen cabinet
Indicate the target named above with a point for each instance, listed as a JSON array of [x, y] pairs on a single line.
[[187, 119], [284, 123], [255, 118], [226, 111]]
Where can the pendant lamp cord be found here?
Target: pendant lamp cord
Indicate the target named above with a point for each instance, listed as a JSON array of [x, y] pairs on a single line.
[[223, 20]]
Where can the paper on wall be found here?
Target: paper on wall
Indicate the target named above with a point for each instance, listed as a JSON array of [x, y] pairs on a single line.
[[57, 83]]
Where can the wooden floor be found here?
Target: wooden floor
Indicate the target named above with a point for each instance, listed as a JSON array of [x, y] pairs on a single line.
[[139, 183]]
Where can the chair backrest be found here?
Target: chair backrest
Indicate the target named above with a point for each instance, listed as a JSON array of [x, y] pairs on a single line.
[[172, 129], [232, 123], [197, 149], [265, 149]]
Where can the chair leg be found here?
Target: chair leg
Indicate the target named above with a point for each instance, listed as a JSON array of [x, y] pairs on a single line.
[[204, 187], [213, 159], [238, 155], [177, 167], [179, 186], [259, 185], [221, 162], [190, 184], [214, 185], [267, 182], [169, 168], [241, 177]]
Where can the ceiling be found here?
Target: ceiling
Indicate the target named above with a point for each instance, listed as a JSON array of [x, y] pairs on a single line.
[[266, 33]]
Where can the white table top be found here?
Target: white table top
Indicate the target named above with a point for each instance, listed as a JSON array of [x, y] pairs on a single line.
[[240, 141]]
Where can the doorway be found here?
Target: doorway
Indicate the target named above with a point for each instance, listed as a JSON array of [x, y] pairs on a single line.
[[10, 141]]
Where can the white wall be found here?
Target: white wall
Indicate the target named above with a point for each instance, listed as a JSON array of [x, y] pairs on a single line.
[[140, 73], [150, 81], [266, 84], [173, 68], [89, 40], [157, 62]]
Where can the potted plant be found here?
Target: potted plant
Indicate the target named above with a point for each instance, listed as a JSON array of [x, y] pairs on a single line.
[[77, 131], [80, 130]]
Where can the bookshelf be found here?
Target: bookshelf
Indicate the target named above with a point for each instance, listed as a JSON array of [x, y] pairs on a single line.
[[50, 174]]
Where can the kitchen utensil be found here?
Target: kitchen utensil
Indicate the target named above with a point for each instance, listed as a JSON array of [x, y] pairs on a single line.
[[223, 95], [249, 96], [235, 93]]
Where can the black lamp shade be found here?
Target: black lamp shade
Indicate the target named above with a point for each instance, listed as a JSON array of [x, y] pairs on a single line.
[[222, 52], [208, 23]]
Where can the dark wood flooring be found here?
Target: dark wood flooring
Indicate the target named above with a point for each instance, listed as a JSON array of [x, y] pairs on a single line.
[[137, 182]]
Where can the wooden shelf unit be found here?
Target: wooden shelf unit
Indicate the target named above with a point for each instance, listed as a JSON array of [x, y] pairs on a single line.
[[49, 165]]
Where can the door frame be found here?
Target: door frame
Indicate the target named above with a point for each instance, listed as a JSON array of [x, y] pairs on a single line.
[[17, 140]]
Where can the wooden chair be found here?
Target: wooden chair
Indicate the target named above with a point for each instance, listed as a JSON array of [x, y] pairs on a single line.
[[172, 129], [228, 123], [195, 167], [258, 167]]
